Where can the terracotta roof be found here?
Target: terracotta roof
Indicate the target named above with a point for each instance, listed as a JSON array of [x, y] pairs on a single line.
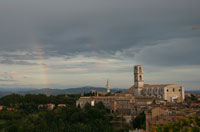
[[156, 86], [152, 86], [83, 98], [131, 89], [61, 105], [163, 107], [132, 86], [105, 97]]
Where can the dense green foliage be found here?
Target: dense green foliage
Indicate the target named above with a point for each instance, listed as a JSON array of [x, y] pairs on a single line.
[[191, 99], [194, 98], [139, 121], [27, 117], [29, 103], [191, 124]]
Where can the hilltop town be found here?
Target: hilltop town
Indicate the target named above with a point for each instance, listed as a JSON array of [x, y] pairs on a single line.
[[161, 103], [141, 108]]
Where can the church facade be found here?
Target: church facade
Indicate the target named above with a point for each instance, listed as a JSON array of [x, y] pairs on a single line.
[[168, 92]]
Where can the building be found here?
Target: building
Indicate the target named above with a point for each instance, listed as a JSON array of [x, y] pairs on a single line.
[[82, 101], [1, 107], [168, 92], [107, 87], [153, 115], [46, 106], [138, 98], [11, 109], [124, 105], [102, 93], [61, 105], [160, 115], [116, 104]]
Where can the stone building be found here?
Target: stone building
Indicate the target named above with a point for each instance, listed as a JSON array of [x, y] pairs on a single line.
[[61, 105], [46, 106], [154, 114], [102, 93], [168, 92], [116, 104], [138, 98], [82, 101]]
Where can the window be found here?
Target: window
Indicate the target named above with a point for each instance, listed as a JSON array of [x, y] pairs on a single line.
[[167, 90], [179, 90], [140, 70], [173, 90], [140, 77]]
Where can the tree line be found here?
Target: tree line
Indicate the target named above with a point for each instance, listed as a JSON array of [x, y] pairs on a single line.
[[27, 117]]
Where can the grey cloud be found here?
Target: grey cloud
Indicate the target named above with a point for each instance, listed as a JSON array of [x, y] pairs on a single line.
[[18, 56], [15, 62], [173, 52], [93, 27]]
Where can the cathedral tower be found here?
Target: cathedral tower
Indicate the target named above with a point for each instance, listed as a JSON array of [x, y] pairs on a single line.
[[138, 79]]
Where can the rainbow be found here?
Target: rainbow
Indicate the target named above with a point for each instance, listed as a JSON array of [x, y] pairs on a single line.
[[43, 67]]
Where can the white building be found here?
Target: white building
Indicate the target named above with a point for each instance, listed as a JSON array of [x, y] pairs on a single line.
[[168, 92], [107, 87]]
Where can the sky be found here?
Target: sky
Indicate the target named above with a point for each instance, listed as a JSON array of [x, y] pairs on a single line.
[[74, 43]]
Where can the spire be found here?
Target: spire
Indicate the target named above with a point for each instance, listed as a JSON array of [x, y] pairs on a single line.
[[107, 87]]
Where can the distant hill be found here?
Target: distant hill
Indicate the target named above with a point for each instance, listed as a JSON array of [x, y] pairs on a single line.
[[49, 91], [15, 89], [4, 93], [193, 91], [80, 90]]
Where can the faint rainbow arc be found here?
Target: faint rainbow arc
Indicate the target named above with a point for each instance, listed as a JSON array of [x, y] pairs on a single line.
[[43, 67]]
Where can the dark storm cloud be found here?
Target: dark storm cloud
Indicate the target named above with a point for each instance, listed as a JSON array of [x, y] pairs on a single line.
[[79, 27], [18, 58], [184, 51]]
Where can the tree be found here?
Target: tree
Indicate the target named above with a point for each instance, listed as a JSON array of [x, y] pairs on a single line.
[[87, 106], [139, 121], [100, 105]]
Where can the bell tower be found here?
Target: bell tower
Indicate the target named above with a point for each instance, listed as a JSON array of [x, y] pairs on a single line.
[[138, 78], [107, 87]]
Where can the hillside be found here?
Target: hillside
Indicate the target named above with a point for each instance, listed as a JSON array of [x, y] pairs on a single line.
[[193, 91], [49, 91]]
